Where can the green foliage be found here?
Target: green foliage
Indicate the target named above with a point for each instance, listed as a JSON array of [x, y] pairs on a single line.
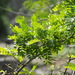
[[46, 34], [37, 40], [25, 71], [31, 72], [70, 66], [4, 51], [43, 38]]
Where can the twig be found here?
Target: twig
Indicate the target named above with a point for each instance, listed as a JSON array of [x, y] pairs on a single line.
[[17, 60], [17, 13], [25, 65], [67, 63], [44, 19]]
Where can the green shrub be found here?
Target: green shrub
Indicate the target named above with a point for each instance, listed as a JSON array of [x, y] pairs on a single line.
[[43, 36]]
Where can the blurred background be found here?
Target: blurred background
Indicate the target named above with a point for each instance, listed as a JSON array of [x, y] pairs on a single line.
[[9, 9]]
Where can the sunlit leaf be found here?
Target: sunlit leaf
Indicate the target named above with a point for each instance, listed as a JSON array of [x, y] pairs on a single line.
[[70, 66], [4, 51], [34, 67], [33, 41]]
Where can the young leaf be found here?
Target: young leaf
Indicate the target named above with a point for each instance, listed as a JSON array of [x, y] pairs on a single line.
[[34, 67], [4, 51], [33, 41]]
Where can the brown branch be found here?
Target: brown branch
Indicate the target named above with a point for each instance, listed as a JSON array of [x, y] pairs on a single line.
[[22, 67], [67, 63], [67, 68], [25, 64]]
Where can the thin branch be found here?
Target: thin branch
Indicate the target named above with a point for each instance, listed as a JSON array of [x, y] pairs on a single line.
[[22, 67], [67, 38], [17, 60], [17, 13], [25, 65], [67, 63], [44, 19], [9, 66]]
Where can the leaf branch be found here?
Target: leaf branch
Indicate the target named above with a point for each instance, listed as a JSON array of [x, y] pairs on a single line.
[[25, 64]]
